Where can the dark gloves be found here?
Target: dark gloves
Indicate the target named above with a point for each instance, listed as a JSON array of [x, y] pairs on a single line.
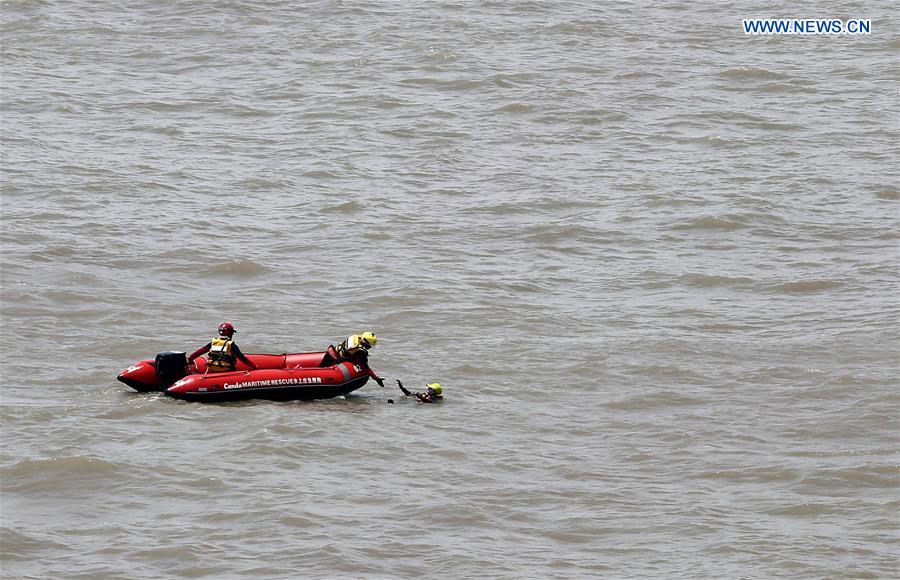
[[380, 381]]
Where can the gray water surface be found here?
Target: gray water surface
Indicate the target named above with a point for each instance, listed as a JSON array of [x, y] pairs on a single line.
[[652, 260]]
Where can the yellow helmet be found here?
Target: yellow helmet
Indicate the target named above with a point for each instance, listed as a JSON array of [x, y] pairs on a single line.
[[368, 340], [436, 387]]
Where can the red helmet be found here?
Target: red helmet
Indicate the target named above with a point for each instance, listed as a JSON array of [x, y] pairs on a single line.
[[227, 329]]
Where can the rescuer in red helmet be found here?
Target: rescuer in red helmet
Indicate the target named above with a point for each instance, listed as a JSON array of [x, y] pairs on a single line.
[[223, 352]]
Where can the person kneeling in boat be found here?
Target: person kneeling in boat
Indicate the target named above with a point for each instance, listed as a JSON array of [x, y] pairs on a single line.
[[354, 350], [434, 393], [223, 352]]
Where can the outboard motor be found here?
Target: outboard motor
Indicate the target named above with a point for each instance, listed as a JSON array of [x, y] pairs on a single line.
[[171, 366]]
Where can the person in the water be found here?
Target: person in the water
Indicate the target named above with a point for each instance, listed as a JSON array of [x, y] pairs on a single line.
[[433, 393]]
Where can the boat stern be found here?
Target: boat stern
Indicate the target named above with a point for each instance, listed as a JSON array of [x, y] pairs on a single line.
[[141, 376]]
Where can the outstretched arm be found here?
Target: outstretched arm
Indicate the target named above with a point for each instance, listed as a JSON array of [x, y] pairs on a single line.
[[372, 374]]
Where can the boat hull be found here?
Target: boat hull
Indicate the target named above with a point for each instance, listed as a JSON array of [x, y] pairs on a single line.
[[142, 375], [272, 384]]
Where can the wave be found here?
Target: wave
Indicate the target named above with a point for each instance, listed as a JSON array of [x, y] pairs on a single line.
[[639, 74], [169, 106], [712, 280], [752, 73], [769, 474], [885, 451], [560, 233], [54, 474], [515, 108], [387, 103], [715, 141], [22, 547], [348, 207], [320, 174], [771, 126], [878, 476], [237, 267], [806, 286], [658, 400], [712, 223], [780, 88], [257, 183], [447, 85], [168, 131], [511, 80], [804, 510]]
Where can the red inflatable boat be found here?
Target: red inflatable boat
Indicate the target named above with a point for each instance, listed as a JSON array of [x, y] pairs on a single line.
[[278, 377]]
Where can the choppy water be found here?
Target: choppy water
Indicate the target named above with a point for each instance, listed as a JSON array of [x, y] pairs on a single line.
[[654, 262]]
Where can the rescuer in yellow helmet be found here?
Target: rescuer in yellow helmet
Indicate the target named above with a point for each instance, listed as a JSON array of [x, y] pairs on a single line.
[[434, 392], [355, 350]]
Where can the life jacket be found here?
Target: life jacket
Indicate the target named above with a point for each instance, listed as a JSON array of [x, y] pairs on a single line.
[[351, 350], [220, 357]]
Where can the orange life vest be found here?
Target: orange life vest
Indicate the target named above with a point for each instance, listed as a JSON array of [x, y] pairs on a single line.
[[220, 357]]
